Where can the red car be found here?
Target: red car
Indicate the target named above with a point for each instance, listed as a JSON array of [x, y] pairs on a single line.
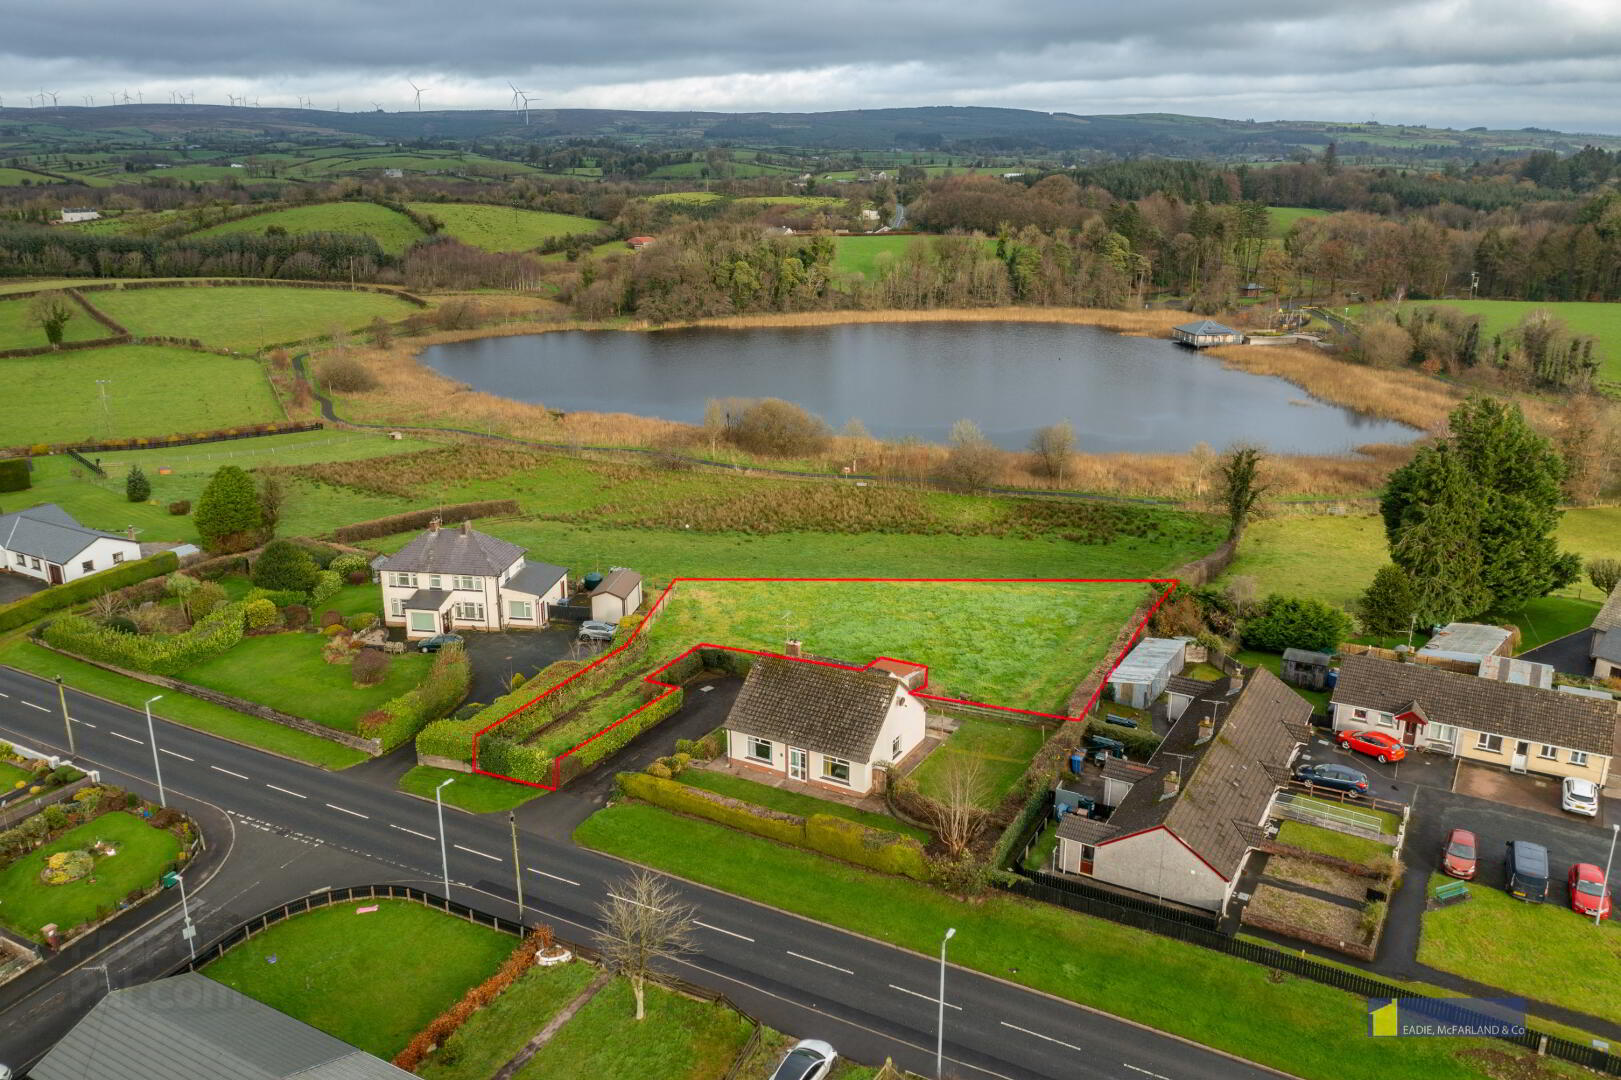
[[1588, 894], [1376, 744], [1458, 857]]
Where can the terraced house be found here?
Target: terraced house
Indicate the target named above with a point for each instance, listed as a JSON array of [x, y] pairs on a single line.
[[461, 579]]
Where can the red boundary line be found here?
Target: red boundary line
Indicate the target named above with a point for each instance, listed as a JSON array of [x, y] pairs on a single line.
[[670, 688]]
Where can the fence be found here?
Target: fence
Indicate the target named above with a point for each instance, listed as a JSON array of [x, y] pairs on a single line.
[[1341, 819], [88, 464]]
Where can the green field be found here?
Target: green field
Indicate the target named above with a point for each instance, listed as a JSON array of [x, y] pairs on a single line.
[[790, 200], [393, 230], [245, 317], [494, 1034], [686, 197], [372, 980], [151, 390], [504, 228], [1280, 219], [1003, 751], [1023, 645], [17, 333], [10, 177], [870, 255], [26, 903], [1601, 320]]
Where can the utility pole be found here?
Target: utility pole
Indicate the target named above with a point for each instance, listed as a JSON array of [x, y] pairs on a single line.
[[517, 867], [62, 696], [439, 807], [151, 736]]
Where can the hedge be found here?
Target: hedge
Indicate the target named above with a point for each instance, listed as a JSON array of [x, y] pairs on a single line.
[[499, 753], [433, 697], [214, 634], [616, 739], [14, 474], [1140, 742], [419, 519], [853, 842], [33, 606]]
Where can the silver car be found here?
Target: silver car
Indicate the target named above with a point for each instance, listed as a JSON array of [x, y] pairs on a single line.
[[596, 632], [1579, 796], [810, 1059]]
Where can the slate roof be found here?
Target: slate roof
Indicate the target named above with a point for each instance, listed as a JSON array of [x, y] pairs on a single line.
[[620, 583], [48, 532], [452, 551], [1468, 701], [1607, 646], [825, 709], [1187, 685], [1609, 615], [1205, 327], [427, 599], [1306, 656], [536, 578], [190, 1027]]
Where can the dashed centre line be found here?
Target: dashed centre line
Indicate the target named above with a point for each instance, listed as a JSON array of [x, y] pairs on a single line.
[[31, 705], [813, 960], [925, 997], [413, 832], [172, 753], [718, 930], [554, 877], [1145, 1072], [1049, 1038], [284, 791], [475, 851], [228, 772], [344, 810], [126, 738]]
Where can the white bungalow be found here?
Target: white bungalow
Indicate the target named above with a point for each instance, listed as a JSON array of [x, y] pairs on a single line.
[[45, 542]]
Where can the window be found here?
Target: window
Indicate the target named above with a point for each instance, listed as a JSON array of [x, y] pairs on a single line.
[[468, 583], [836, 770], [520, 609], [88, 565], [760, 749], [34, 562], [424, 621], [22, 560], [1491, 744], [1578, 757], [895, 749], [474, 612], [433, 581], [118, 557], [405, 581], [1548, 753], [1359, 714], [396, 608], [1440, 732]]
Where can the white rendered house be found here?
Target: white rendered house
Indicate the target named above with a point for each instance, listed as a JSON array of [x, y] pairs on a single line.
[[461, 579], [45, 542]]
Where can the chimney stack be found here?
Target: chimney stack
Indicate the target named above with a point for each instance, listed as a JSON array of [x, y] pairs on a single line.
[[1404, 654], [433, 524], [1207, 728], [130, 532], [1173, 784], [794, 648], [467, 529]]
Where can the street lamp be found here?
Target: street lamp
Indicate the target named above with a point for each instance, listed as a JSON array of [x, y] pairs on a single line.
[[940, 1023], [189, 932], [1598, 915], [62, 696], [439, 808], [151, 737]]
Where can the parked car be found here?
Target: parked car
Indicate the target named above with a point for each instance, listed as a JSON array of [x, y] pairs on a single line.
[[1525, 871], [1376, 744], [1589, 895], [1338, 777], [1579, 796], [810, 1059], [1458, 856], [589, 632], [597, 624], [439, 641]]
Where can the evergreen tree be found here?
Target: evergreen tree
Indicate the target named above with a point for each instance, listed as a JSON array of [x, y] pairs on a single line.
[[228, 515], [1388, 605], [1437, 541], [137, 488], [284, 565]]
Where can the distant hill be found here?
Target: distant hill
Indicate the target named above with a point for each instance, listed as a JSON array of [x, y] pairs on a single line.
[[919, 129]]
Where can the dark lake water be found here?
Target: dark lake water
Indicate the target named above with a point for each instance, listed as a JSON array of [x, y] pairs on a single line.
[[1121, 393]]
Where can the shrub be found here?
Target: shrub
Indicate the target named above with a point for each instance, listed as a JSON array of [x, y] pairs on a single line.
[[180, 507], [259, 613], [122, 623], [338, 650], [160, 655], [207, 596], [56, 816], [229, 516], [971, 462], [326, 587], [659, 769], [330, 618], [284, 565], [878, 849], [363, 621], [439, 693], [722, 809], [348, 563], [31, 607], [1284, 622], [776, 428], [137, 488], [16, 474], [346, 374], [295, 616], [370, 667], [65, 774], [181, 585]]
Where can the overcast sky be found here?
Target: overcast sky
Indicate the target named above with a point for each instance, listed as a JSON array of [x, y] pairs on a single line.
[[1500, 63]]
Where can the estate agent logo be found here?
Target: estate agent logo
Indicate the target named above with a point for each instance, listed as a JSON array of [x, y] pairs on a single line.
[[1423, 1017]]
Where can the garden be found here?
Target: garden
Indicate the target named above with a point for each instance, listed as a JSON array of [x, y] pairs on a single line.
[[1001, 749]]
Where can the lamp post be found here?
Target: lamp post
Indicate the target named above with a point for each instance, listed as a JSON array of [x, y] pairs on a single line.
[[517, 867], [62, 696], [188, 931], [151, 737], [439, 808], [1598, 916], [940, 1023]]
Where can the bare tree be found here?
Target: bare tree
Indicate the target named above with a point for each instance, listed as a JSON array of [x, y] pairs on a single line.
[[642, 925], [107, 605], [971, 463], [958, 815], [1051, 447]]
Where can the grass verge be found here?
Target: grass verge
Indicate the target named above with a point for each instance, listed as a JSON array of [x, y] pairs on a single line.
[[472, 792], [792, 802], [496, 1032]]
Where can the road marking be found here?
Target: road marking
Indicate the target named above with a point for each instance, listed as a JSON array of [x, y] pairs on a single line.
[[228, 772], [126, 738], [628, 900], [402, 828], [554, 877], [340, 809], [1145, 1072], [284, 791], [1049, 1038], [31, 705], [475, 851], [813, 960], [718, 930], [5, 695], [925, 997], [171, 753], [86, 723]]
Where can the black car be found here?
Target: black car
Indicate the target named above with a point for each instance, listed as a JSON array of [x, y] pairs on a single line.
[[439, 641], [1338, 777]]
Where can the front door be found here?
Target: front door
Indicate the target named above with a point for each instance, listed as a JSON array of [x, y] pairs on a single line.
[[56, 573], [1520, 750], [1409, 731], [798, 763], [444, 622]]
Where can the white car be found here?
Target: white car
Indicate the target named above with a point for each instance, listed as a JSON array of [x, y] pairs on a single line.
[[810, 1059], [1579, 796]]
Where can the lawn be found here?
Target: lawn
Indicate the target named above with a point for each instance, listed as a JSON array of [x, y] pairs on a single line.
[[16, 332], [504, 228], [1543, 951], [1599, 319], [12, 776], [245, 317], [1025, 645], [1003, 750], [1311, 1031], [393, 231], [371, 980], [1389, 823], [1280, 219], [680, 1039], [181, 709], [1550, 617], [472, 792], [150, 391], [1273, 662], [1339, 845], [870, 256], [498, 1031], [26, 903], [792, 802]]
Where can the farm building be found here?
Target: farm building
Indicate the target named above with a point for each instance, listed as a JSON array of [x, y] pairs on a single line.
[[1142, 675], [1307, 669], [1468, 642], [47, 543], [637, 243], [1203, 334], [81, 213], [617, 595]]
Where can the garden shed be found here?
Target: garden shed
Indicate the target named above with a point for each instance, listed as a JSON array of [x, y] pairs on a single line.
[[1143, 674], [617, 595], [1307, 669]]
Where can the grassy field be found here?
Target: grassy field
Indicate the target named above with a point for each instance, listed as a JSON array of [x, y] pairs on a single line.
[[189, 711], [246, 317], [504, 228], [1543, 951], [17, 333], [686, 197], [494, 1034], [869, 256], [393, 231], [1003, 750], [1601, 320], [472, 792], [792, 802], [1023, 645], [790, 200], [1280, 219], [1328, 842], [151, 391], [1310, 1030], [26, 903]]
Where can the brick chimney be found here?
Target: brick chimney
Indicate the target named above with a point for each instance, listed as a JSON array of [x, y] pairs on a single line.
[[1173, 784], [793, 647], [467, 528], [1207, 729], [130, 532]]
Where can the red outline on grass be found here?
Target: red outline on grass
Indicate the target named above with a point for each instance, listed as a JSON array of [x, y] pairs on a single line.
[[670, 688]]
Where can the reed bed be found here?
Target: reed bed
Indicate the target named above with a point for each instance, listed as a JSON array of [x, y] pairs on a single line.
[[1408, 397]]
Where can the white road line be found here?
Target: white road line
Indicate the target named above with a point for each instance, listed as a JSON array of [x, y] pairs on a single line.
[[475, 851], [86, 723], [126, 738], [925, 997], [341, 810], [228, 772], [813, 960], [554, 877], [1049, 1038], [171, 753], [1145, 1072], [718, 930], [31, 705], [5, 695], [628, 900], [284, 791], [413, 832]]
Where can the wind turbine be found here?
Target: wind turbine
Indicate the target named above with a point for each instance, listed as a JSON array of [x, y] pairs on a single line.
[[126, 97], [53, 94], [377, 106], [516, 94], [419, 90], [89, 100], [525, 95], [140, 97]]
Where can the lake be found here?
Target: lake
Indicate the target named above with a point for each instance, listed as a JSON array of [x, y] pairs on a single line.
[[1121, 393]]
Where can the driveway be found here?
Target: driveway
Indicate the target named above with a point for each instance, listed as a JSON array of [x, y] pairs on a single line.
[[1529, 791], [16, 586], [1393, 782], [496, 656], [1568, 654]]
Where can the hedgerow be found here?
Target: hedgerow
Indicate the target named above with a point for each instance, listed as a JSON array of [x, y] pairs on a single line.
[[56, 597], [214, 634]]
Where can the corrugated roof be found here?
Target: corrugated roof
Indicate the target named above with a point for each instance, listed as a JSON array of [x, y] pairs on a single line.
[[1148, 659], [190, 1027], [48, 532], [536, 578], [1465, 641], [829, 710], [1306, 656], [452, 551]]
